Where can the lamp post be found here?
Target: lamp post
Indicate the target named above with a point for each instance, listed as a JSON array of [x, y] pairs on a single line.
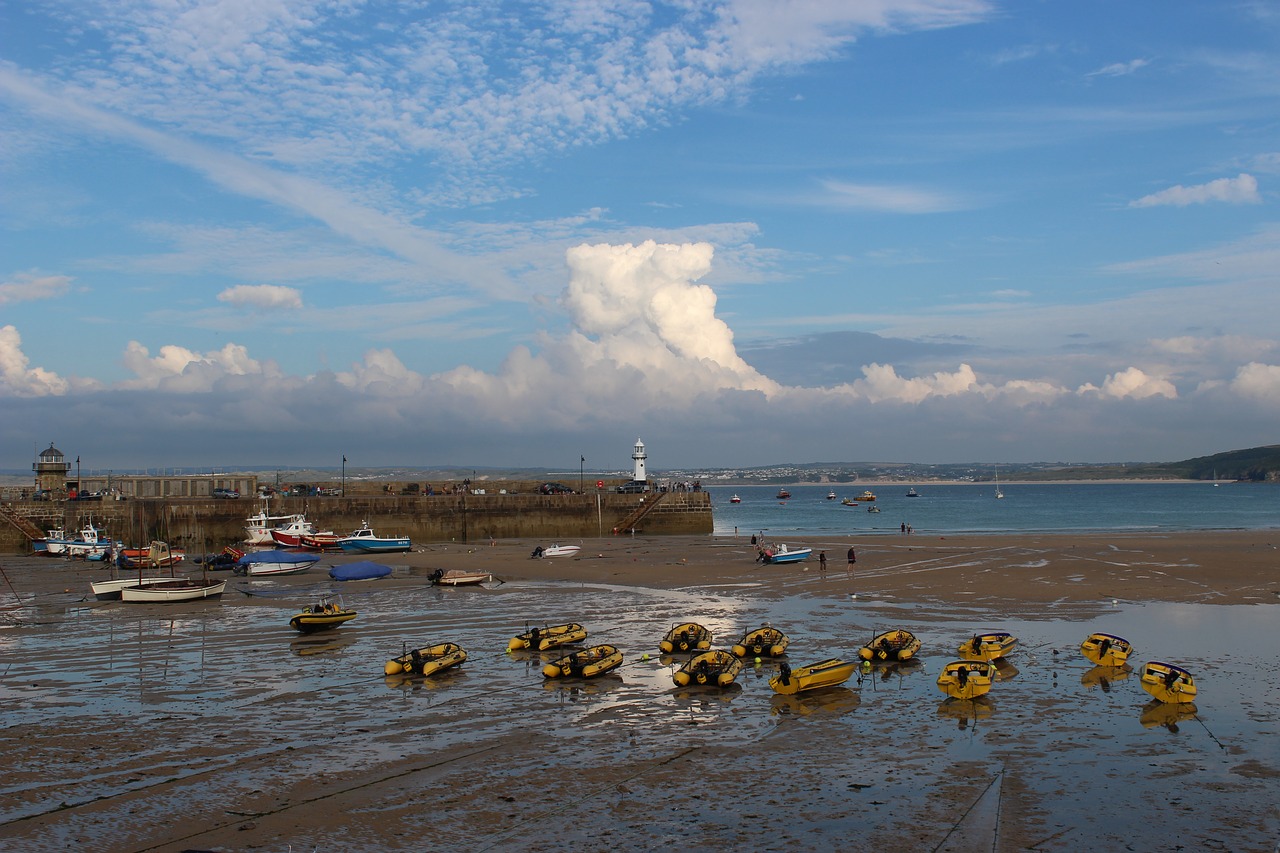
[[344, 475], [582, 461]]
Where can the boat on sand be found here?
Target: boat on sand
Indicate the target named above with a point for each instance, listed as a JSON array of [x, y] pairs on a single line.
[[587, 663], [827, 673], [548, 637], [783, 554], [686, 637], [458, 577], [1168, 683], [555, 551], [1106, 649], [173, 590], [989, 646], [765, 641], [427, 660], [890, 646], [716, 668], [321, 616], [966, 679]]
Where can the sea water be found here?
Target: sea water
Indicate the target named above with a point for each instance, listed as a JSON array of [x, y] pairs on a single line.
[[974, 508]]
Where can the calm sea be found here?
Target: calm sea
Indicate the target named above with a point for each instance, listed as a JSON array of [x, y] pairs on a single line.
[[966, 508]]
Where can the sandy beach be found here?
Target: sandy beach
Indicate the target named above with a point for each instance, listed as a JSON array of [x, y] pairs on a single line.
[[213, 726]]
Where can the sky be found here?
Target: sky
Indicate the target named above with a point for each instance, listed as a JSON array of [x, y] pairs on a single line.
[[525, 234]]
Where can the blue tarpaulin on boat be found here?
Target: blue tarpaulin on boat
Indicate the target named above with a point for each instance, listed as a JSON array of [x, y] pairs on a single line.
[[363, 570], [276, 557]]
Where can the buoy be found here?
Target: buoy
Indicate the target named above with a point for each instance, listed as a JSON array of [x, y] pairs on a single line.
[[757, 660], [644, 656]]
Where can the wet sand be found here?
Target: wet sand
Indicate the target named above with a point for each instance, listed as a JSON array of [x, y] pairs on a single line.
[[213, 726]]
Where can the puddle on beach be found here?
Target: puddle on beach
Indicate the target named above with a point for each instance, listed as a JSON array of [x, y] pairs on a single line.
[[237, 669]]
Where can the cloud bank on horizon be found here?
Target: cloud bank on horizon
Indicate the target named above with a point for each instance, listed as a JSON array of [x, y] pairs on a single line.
[[748, 232]]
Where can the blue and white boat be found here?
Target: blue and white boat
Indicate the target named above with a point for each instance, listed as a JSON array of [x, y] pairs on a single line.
[[90, 544], [259, 563], [783, 554], [364, 541]]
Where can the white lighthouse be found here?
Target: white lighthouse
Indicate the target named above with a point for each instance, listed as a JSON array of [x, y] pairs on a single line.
[[639, 456]]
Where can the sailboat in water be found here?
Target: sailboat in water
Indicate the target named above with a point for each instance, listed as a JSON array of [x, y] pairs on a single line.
[[999, 494]]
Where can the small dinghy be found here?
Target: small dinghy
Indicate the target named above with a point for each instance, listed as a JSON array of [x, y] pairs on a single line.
[[891, 645], [827, 673], [1168, 683], [715, 668], [321, 616], [765, 641], [361, 571], [1106, 649], [587, 663], [549, 637], [989, 646], [966, 679], [686, 637], [427, 660]]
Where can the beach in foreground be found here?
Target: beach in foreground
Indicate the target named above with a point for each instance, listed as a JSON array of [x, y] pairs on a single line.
[[214, 726]]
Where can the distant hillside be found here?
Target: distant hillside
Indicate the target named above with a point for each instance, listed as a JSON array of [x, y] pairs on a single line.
[[1254, 465]]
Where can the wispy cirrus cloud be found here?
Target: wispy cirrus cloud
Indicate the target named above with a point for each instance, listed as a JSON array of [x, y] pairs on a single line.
[[886, 198], [29, 287], [262, 296], [1120, 69], [1242, 189]]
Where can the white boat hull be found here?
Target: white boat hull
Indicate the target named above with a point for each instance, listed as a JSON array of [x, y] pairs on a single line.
[[264, 569], [561, 551], [110, 590], [160, 593]]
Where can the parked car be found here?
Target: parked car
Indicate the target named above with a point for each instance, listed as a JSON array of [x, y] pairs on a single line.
[[554, 489], [226, 493], [635, 487]]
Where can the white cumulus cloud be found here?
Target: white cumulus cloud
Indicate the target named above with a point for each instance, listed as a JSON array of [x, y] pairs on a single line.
[[28, 287], [1134, 383], [262, 296], [1258, 381], [19, 380], [1242, 189], [180, 369]]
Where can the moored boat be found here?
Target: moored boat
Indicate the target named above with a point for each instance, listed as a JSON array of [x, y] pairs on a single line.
[[988, 646], [109, 590], [827, 673], [765, 641], [157, 555], [365, 541], [173, 590], [716, 668], [735, 500], [1168, 683], [321, 616], [587, 663], [966, 679], [783, 494], [427, 660], [686, 637], [326, 541], [290, 535], [258, 527], [831, 496], [1106, 649], [912, 493], [548, 637], [897, 644], [783, 554], [556, 551], [458, 577], [260, 563]]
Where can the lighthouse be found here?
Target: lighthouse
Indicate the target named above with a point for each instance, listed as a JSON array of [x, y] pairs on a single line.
[[639, 456]]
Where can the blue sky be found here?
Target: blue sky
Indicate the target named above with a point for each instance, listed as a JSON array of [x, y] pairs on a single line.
[[274, 233]]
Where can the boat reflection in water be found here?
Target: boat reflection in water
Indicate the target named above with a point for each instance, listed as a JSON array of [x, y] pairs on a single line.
[[899, 668], [966, 710], [313, 645], [411, 682], [1157, 713], [1005, 671], [1102, 676], [704, 695], [827, 701], [577, 689]]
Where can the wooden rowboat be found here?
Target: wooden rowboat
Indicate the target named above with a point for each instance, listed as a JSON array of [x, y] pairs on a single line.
[[1106, 649], [1168, 683], [966, 679], [890, 646], [427, 660], [458, 577], [686, 637], [765, 641], [827, 673], [587, 663], [715, 668], [989, 646], [549, 637]]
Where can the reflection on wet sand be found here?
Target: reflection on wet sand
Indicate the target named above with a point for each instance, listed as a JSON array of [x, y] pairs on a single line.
[[312, 645], [1005, 671], [708, 693], [967, 710], [828, 701], [1157, 713], [572, 688], [1104, 676], [440, 681]]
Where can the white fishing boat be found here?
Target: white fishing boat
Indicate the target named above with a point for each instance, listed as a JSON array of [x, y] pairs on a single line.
[[258, 527], [556, 551]]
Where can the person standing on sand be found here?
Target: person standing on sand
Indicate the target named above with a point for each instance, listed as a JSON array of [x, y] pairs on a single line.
[[822, 562], [853, 558], [904, 527]]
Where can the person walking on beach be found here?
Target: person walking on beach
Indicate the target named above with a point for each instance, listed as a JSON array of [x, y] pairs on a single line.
[[904, 527], [822, 562], [853, 558]]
